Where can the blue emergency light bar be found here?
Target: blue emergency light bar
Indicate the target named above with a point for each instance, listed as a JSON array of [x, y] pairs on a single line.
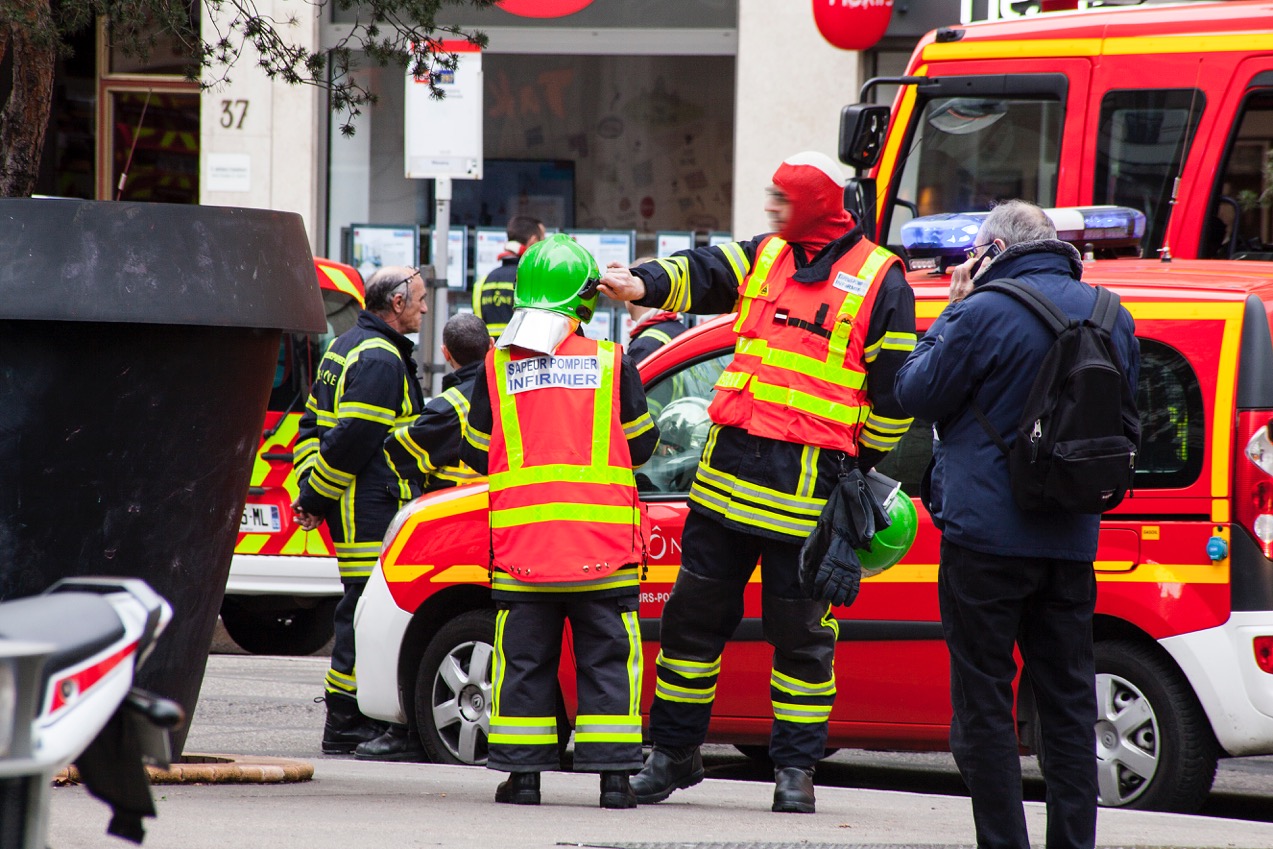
[[941, 241]]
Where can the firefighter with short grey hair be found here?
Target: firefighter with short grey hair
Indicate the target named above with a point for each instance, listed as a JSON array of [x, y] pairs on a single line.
[[366, 385]]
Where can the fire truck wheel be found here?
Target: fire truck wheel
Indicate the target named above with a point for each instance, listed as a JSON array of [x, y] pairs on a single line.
[[1155, 748], [293, 631]]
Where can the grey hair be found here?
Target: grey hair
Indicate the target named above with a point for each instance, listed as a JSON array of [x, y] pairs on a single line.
[[1016, 221], [466, 337], [384, 283]]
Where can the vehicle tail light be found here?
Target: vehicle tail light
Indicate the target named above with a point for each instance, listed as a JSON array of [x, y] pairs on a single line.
[[1253, 479], [1264, 653]]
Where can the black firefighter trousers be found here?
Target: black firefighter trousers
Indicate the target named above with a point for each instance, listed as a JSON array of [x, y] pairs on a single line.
[[704, 610], [1045, 607], [608, 670]]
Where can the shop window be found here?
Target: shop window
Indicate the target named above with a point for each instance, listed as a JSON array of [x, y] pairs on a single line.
[[1143, 137], [155, 146], [158, 52], [148, 123]]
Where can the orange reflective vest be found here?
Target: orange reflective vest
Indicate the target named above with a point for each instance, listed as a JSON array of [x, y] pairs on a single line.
[[798, 373], [564, 505]]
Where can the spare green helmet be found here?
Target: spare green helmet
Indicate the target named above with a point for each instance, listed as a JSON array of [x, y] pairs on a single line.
[[558, 275], [890, 545]]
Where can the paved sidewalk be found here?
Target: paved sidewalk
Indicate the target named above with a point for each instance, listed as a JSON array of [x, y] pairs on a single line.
[[358, 805]]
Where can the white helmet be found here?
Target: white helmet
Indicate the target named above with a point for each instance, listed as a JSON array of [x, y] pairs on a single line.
[[683, 426]]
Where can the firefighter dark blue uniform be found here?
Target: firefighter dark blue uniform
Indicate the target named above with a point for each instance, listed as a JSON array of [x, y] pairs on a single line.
[[365, 386], [567, 534], [825, 320], [493, 294], [426, 453], [653, 332]]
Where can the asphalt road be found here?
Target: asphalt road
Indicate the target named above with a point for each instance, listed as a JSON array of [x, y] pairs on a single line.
[[266, 706]]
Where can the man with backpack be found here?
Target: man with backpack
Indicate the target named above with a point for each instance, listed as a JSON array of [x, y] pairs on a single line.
[[1011, 399]]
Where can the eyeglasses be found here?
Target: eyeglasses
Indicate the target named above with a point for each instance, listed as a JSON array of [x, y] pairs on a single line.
[[992, 250], [404, 281]]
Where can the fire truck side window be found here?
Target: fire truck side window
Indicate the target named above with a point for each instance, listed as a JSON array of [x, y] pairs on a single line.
[[1239, 223], [1143, 137], [966, 153], [1172, 422]]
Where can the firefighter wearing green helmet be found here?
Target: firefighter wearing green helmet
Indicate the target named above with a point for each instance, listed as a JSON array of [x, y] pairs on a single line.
[[557, 425]]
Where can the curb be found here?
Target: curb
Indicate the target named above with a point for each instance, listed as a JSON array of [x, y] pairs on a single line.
[[193, 768]]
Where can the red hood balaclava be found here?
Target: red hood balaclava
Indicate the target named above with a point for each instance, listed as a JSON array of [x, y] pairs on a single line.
[[814, 184]]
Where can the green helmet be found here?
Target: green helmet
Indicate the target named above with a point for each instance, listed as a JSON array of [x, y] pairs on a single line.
[[890, 545], [557, 275]]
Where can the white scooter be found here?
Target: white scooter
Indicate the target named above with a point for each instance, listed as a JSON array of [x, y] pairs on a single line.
[[67, 660]]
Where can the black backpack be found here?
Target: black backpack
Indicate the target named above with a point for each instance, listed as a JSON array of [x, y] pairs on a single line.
[[1076, 443]]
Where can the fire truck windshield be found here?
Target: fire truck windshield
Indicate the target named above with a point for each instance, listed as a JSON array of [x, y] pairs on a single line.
[[966, 152]]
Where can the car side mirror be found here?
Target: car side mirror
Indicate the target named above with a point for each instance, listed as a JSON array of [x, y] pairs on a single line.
[[862, 129]]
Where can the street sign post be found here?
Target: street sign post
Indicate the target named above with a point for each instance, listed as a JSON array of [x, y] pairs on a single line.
[[442, 142]]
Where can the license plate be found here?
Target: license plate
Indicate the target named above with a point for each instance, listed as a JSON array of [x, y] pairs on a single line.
[[260, 519]]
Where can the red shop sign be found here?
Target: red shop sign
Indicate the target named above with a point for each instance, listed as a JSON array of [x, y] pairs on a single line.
[[852, 24], [544, 8]]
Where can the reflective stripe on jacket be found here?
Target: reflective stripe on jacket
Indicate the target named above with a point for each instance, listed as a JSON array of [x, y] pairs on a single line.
[[798, 372], [365, 386], [563, 497], [493, 296]]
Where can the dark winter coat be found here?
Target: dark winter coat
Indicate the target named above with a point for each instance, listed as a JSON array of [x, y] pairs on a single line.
[[990, 347]]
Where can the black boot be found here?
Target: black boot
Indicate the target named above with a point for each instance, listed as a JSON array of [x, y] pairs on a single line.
[[793, 790], [668, 768], [520, 788], [396, 744], [346, 727], [616, 791]]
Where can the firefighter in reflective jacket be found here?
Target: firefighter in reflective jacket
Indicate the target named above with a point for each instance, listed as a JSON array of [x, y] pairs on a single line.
[[426, 456], [559, 422], [493, 293], [654, 329], [365, 386], [427, 452], [824, 319]]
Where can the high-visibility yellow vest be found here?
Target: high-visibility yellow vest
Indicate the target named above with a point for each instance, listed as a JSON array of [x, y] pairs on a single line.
[[798, 372], [564, 505]]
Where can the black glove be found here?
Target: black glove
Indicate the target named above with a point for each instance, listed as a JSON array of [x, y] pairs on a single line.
[[861, 514], [839, 574], [829, 567]]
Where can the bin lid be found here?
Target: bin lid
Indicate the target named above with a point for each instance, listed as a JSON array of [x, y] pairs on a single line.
[[156, 263]]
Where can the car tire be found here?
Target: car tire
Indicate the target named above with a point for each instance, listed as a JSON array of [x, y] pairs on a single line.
[[454, 689], [1155, 748], [292, 632]]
